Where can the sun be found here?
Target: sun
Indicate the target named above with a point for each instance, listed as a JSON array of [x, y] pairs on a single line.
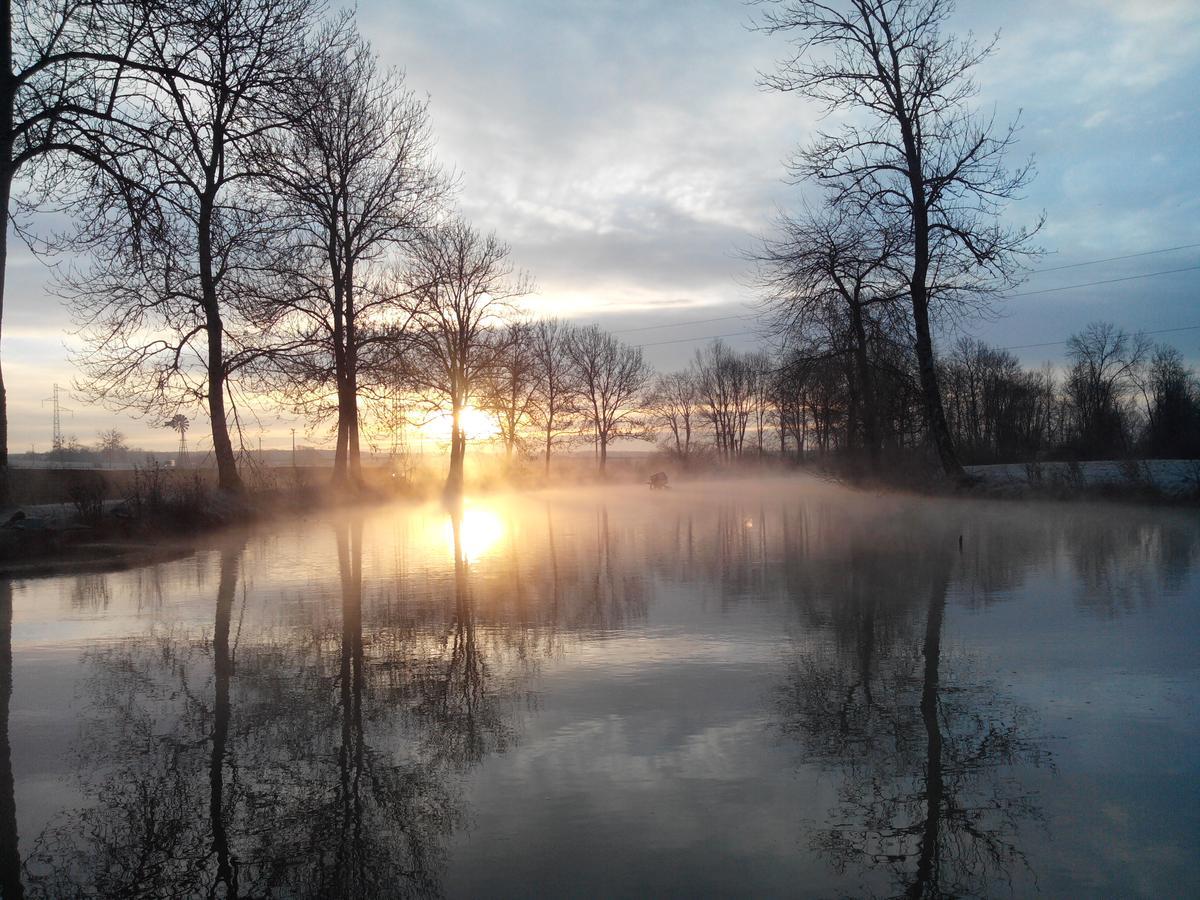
[[477, 424]]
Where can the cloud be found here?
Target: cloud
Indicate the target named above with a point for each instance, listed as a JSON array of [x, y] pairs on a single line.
[[626, 151]]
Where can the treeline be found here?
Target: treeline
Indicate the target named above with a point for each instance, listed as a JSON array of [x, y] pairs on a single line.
[[1118, 396]]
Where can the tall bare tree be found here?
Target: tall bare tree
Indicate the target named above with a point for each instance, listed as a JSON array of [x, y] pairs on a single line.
[[178, 243], [612, 376], [354, 178], [460, 291], [555, 403], [914, 157], [61, 63]]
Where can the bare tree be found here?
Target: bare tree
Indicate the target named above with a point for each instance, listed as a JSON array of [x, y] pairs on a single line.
[[555, 401], [828, 271], [725, 386], [352, 178], [61, 63], [1172, 405], [512, 384], [760, 367], [459, 292], [1105, 367], [915, 159], [674, 406], [612, 376], [178, 244]]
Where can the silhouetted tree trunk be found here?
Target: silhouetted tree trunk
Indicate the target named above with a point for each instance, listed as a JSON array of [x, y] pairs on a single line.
[[10, 854]]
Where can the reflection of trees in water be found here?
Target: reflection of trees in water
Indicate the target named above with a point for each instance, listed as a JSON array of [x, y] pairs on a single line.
[[927, 757], [1125, 559], [320, 758], [615, 593], [223, 767], [90, 592], [744, 548]]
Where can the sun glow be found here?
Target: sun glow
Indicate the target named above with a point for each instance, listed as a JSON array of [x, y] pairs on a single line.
[[480, 531], [477, 424]]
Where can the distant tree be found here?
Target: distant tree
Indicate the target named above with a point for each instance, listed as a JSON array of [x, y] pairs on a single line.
[[830, 273], [674, 406], [512, 384], [612, 376], [913, 157], [760, 367], [726, 387], [996, 410], [554, 406], [1172, 407], [111, 444], [459, 291], [1105, 364]]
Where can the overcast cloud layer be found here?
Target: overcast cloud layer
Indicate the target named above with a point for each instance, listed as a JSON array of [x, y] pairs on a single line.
[[627, 153]]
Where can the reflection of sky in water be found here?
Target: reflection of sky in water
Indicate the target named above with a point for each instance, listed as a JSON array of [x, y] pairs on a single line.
[[647, 693]]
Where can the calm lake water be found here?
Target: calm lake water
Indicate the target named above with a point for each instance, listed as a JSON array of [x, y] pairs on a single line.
[[782, 688]]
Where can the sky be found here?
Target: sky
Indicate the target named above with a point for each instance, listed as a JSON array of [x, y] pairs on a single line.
[[628, 154]]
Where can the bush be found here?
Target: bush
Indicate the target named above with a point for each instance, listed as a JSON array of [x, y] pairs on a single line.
[[86, 490]]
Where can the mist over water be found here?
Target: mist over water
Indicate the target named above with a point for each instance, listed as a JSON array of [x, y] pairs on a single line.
[[761, 688]]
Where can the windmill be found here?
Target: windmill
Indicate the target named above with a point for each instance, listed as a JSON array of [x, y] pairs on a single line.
[[179, 422]]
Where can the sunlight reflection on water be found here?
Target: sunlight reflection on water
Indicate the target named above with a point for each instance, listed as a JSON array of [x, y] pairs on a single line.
[[714, 689]]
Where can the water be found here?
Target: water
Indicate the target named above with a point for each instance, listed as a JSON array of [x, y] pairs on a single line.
[[774, 689]]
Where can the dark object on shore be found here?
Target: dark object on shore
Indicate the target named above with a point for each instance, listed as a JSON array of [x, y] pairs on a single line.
[[658, 481], [14, 519]]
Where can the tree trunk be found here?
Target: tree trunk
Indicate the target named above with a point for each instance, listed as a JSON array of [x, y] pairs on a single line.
[[866, 388], [935, 415], [341, 451], [5, 192], [350, 400], [454, 480], [10, 855], [7, 103], [227, 474], [603, 439]]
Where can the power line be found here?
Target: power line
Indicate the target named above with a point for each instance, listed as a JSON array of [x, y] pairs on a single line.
[[1057, 343], [1065, 287], [1093, 262], [1088, 262], [709, 337], [714, 337], [1068, 287], [680, 324]]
